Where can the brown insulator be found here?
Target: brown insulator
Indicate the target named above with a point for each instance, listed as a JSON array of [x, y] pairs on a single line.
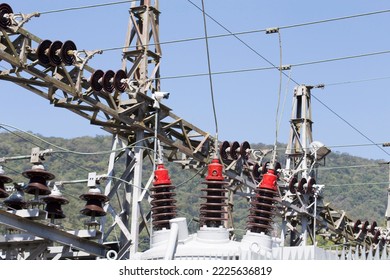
[[213, 211], [4, 180], [119, 81], [16, 200], [291, 185], [224, 149], [5, 9], [245, 150], [54, 201], [356, 226], [108, 81], [256, 172], [38, 180], [263, 203], [234, 150], [94, 205], [365, 226], [376, 239], [43, 51], [373, 227], [163, 204], [54, 53], [96, 80], [67, 52]]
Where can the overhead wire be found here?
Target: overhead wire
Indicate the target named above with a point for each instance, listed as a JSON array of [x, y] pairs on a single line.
[[349, 124], [40, 146], [86, 7], [334, 19], [378, 165], [340, 58], [65, 150], [355, 81], [272, 68], [273, 161], [235, 36], [356, 145], [210, 76], [322, 103], [219, 35], [357, 184], [3, 126]]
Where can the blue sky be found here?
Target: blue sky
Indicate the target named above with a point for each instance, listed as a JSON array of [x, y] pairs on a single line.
[[245, 102]]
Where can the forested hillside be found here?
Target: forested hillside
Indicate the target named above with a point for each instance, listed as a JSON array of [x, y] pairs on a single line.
[[354, 184]]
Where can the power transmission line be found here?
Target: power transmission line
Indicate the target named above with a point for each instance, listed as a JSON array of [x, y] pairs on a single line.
[[210, 76], [340, 58], [356, 81], [235, 36], [271, 68], [259, 30], [378, 165], [86, 7], [252, 49], [358, 184], [349, 124]]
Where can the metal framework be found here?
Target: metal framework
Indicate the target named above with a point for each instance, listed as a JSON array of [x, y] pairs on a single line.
[[64, 78]]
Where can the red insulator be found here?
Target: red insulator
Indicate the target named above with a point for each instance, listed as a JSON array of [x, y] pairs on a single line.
[[269, 181], [213, 211], [163, 204], [4, 180], [215, 170], [161, 176], [263, 204]]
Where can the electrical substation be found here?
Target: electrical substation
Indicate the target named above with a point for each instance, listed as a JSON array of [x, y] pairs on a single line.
[[128, 103]]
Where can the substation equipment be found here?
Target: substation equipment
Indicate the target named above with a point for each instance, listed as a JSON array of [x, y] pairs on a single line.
[[127, 104]]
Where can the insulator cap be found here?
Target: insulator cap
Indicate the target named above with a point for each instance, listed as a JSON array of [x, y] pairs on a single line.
[[269, 181], [161, 176], [215, 169]]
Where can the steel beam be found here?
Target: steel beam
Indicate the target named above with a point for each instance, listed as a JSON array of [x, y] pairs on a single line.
[[51, 233]]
